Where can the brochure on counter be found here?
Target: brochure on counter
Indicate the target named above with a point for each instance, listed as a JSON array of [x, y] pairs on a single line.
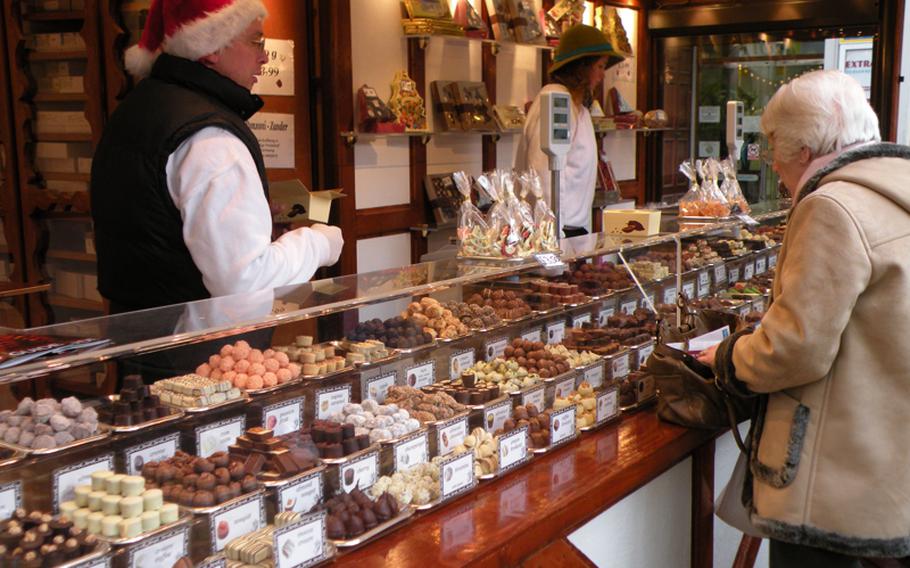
[[19, 348]]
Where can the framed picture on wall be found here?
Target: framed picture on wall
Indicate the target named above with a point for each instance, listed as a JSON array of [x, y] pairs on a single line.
[[434, 9]]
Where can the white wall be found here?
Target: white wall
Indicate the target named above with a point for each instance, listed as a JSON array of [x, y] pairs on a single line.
[[903, 113]]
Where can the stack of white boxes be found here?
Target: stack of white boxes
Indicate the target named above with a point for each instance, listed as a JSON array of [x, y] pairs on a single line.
[[62, 157], [66, 122], [60, 76], [63, 41]]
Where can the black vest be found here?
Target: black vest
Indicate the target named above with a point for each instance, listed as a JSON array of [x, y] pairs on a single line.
[[142, 259]]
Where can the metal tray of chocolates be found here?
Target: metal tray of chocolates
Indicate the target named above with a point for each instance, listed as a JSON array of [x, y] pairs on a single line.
[[100, 551], [329, 375], [500, 325], [181, 520], [175, 414], [243, 398], [272, 483], [14, 457], [393, 441], [590, 300], [273, 388], [417, 349], [220, 506], [463, 414], [103, 432], [526, 317], [454, 339], [548, 312], [393, 355], [501, 398], [351, 456], [403, 515]]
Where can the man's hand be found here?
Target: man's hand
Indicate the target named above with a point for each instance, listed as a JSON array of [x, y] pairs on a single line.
[[707, 356]]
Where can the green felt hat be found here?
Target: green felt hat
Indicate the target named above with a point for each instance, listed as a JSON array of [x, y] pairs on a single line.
[[583, 41]]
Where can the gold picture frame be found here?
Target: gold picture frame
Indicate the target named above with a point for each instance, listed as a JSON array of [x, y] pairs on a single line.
[[432, 9]]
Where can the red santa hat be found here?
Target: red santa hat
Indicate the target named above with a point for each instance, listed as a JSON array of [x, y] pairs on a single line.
[[191, 29]]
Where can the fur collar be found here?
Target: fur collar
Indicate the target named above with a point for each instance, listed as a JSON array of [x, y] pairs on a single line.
[[876, 150]]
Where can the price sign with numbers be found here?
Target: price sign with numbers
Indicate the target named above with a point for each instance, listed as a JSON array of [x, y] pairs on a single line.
[[761, 265], [549, 260], [277, 75], [670, 295]]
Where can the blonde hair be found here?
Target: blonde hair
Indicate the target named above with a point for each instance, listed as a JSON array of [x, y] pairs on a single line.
[[824, 111]]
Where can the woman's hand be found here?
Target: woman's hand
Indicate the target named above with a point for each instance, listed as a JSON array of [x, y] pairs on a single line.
[[707, 356]]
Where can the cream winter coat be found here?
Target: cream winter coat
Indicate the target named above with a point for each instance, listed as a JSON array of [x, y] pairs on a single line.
[[831, 459]]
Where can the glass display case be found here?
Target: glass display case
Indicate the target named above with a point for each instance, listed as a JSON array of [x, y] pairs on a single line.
[[254, 428]]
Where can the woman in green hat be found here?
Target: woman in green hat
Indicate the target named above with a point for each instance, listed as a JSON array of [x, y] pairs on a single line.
[[580, 61]]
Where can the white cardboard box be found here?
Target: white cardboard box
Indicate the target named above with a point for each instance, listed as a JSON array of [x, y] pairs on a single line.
[[90, 287]]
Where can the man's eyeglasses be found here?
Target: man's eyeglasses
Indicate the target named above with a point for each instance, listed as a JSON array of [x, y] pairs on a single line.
[[259, 43]]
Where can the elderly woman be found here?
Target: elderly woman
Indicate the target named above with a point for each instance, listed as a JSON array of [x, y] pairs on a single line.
[[830, 466]]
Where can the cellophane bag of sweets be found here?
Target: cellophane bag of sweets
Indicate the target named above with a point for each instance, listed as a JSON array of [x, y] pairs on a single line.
[[690, 203], [473, 231], [544, 219], [731, 189], [715, 204]]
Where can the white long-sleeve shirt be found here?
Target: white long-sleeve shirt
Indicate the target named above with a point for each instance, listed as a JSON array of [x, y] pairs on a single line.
[[227, 223], [578, 178]]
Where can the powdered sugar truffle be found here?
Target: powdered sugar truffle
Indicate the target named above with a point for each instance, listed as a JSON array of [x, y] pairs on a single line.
[[60, 423], [43, 429], [79, 431], [42, 412], [11, 436], [15, 420], [43, 442], [71, 407], [25, 406], [88, 416], [26, 439], [61, 438]]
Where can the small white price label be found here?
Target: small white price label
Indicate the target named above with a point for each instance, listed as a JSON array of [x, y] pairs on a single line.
[[628, 307], [66, 479], [331, 400], [359, 473], [689, 290], [565, 387], [378, 387], [607, 405], [644, 352], [301, 495], [644, 303], [421, 375], [213, 438], [744, 310], [758, 304], [532, 335], [562, 425], [748, 270], [10, 498], [535, 396], [747, 219], [604, 315], [156, 450], [704, 284], [456, 474], [495, 416], [284, 417], [772, 260], [495, 348], [450, 435], [513, 449], [761, 265], [620, 366], [720, 274], [670, 295], [300, 544], [236, 521], [580, 320], [733, 275], [460, 361], [163, 550], [549, 260], [411, 451], [555, 332], [594, 375]]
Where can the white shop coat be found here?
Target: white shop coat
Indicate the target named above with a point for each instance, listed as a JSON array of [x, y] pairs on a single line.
[[227, 223], [579, 177]]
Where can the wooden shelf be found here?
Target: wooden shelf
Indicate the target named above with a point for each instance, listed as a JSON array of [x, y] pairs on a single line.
[[59, 97], [54, 15], [71, 255], [56, 55], [62, 137], [75, 303], [63, 176]]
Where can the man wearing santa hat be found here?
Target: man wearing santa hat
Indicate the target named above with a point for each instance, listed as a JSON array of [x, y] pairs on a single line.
[[179, 190]]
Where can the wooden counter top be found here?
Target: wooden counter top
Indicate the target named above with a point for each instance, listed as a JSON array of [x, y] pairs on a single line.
[[507, 520]]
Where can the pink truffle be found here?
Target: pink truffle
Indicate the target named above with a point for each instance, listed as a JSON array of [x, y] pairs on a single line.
[[284, 375], [271, 365], [215, 375], [229, 375], [256, 356], [241, 352], [227, 364], [254, 382], [282, 359], [269, 380], [226, 350], [294, 368], [240, 380], [268, 353], [242, 366], [214, 361], [242, 345], [203, 370], [257, 369]]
